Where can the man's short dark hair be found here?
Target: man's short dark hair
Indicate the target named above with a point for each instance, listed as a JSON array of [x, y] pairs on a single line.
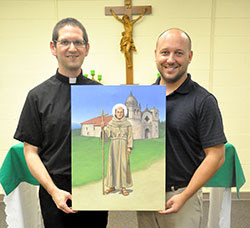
[[69, 21]]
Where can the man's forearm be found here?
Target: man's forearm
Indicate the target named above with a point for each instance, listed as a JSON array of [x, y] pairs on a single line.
[[214, 159], [41, 174], [37, 168]]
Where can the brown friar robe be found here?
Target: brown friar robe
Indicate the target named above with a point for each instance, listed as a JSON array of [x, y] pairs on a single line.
[[118, 170]]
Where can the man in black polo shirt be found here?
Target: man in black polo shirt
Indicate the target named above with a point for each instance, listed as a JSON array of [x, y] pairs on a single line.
[[195, 138], [45, 129]]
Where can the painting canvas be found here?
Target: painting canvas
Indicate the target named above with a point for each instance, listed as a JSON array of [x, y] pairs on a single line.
[[118, 147]]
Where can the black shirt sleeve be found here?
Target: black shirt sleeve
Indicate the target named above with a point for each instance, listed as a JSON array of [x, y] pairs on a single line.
[[29, 128], [210, 124]]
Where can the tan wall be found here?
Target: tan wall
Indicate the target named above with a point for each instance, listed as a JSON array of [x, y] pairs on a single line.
[[220, 30]]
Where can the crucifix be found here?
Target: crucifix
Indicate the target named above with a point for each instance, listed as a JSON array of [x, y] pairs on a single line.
[[127, 42]]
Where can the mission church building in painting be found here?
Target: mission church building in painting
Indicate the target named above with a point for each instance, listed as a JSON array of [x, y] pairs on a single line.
[[145, 124]]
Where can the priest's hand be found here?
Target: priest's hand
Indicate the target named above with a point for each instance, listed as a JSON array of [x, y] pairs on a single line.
[[60, 198]]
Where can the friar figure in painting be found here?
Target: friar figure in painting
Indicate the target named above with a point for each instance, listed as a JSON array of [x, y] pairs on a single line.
[[119, 131]]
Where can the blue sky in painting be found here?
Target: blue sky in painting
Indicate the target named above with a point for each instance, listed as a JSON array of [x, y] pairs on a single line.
[[87, 101]]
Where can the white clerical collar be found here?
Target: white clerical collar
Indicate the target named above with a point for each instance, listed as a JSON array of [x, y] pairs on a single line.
[[72, 80]]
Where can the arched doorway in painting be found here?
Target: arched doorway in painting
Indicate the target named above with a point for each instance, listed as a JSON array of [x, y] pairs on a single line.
[[147, 134]]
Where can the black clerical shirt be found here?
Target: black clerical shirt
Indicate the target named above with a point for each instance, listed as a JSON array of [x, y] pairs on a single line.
[[45, 121]]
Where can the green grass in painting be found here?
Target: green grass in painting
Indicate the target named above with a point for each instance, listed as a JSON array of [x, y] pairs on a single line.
[[87, 156]]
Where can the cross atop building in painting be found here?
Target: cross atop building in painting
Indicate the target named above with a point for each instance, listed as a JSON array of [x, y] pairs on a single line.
[[127, 42]]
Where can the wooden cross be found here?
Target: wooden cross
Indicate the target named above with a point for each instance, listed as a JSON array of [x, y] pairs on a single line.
[[103, 156], [128, 10]]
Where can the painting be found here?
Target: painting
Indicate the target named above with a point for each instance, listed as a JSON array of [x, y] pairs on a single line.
[[118, 147]]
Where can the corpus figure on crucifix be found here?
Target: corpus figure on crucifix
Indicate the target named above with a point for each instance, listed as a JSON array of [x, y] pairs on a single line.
[[127, 42]]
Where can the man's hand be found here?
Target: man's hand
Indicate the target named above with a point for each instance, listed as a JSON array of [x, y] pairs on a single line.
[[174, 204], [60, 198]]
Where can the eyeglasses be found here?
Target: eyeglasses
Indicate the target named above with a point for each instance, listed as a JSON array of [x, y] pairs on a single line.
[[66, 43]]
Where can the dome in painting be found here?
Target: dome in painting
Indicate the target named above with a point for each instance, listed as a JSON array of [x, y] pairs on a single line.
[[131, 101]]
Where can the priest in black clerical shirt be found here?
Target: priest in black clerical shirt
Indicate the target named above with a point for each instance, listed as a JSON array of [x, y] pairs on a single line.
[[45, 129]]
